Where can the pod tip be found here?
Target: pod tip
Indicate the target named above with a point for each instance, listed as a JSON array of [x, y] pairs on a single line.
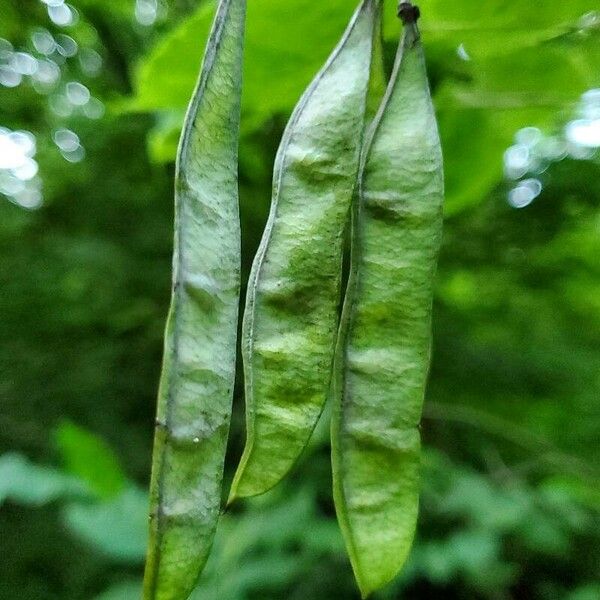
[[231, 499], [365, 591]]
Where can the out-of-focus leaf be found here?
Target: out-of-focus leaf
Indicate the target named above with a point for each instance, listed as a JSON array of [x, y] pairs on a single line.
[[267, 543], [467, 552], [474, 142], [90, 458], [489, 512], [479, 118], [25, 483], [117, 528], [287, 41], [549, 77], [585, 592], [508, 86], [127, 590], [503, 15], [472, 157], [163, 138], [586, 493], [118, 8], [500, 26]]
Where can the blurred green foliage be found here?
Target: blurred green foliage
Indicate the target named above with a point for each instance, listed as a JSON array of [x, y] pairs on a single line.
[[510, 505]]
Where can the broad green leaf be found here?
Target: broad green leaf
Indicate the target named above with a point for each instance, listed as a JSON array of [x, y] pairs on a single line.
[[494, 28], [25, 483], [474, 141], [89, 458], [549, 77], [285, 45], [503, 14], [116, 528], [472, 156], [163, 138], [287, 41]]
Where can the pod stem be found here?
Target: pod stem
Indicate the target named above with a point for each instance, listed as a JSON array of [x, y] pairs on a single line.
[[409, 14]]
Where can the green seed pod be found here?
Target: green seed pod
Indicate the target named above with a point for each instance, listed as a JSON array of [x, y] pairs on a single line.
[[291, 316], [194, 404], [383, 350]]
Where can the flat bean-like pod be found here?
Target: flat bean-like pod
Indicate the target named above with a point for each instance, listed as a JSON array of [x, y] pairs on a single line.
[[291, 317], [194, 404], [383, 350]]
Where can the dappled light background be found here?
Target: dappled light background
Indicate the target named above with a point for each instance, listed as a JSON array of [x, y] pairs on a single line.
[[92, 96]]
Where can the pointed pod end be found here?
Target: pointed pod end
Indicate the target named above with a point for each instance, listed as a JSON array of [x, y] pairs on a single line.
[[234, 490], [364, 589], [408, 12], [237, 492], [233, 497]]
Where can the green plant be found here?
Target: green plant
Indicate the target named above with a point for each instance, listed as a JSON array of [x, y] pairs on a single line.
[[290, 324], [511, 510]]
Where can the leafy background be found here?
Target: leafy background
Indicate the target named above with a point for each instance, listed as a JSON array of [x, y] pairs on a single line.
[[510, 505]]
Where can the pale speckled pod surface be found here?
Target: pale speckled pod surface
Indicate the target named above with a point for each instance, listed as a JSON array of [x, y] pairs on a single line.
[[385, 333], [291, 315], [195, 395]]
